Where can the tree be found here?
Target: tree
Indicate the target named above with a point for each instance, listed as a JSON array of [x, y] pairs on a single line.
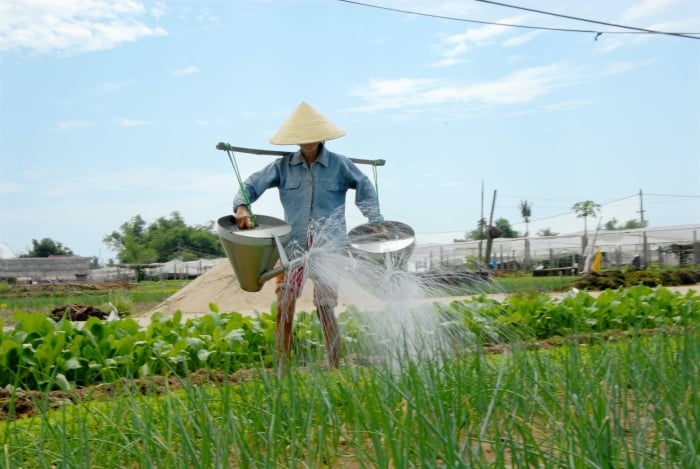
[[501, 225], [546, 232], [586, 209], [506, 230], [633, 224], [526, 213], [47, 247], [611, 224], [477, 234], [164, 240]]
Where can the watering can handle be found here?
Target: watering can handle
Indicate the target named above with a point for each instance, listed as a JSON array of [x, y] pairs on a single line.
[[265, 276], [283, 254]]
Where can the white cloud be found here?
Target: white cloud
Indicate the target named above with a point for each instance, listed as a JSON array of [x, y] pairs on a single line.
[[556, 107], [521, 86], [645, 9], [657, 15], [619, 67], [72, 27], [125, 122], [185, 71], [68, 125], [158, 9], [454, 46], [567, 105], [521, 39], [391, 94], [139, 180], [112, 86], [11, 187]]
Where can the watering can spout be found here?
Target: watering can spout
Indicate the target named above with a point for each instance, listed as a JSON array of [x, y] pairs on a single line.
[[253, 253]]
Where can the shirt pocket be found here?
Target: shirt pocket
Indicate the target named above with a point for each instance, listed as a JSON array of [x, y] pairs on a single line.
[[291, 183], [333, 186]]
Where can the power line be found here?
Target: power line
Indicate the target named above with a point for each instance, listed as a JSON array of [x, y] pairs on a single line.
[[568, 212], [675, 196], [575, 18], [634, 30]]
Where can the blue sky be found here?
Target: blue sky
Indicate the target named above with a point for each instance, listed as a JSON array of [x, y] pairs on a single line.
[[113, 109]]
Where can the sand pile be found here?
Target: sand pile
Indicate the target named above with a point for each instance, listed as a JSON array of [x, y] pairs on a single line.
[[219, 286]]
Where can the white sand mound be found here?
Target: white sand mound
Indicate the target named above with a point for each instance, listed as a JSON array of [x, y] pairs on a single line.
[[219, 285]]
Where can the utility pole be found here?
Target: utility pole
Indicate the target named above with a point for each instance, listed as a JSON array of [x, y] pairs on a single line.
[[481, 225], [489, 240], [645, 247]]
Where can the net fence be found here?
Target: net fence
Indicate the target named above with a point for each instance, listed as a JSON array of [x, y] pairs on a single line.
[[671, 245]]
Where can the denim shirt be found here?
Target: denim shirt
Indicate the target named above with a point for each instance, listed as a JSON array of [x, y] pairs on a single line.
[[313, 197]]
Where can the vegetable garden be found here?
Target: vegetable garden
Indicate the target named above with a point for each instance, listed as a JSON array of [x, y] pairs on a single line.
[[579, 381]]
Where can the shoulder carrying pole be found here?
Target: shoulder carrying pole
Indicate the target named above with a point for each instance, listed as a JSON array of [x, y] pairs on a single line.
[[255, 151]]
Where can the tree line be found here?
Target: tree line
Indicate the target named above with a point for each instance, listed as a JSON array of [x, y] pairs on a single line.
[[168, 238], [586, 209], [138, 242]]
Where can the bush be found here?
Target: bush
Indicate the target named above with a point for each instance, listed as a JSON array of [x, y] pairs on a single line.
[[644, 277], [631, 276], [688, 277]]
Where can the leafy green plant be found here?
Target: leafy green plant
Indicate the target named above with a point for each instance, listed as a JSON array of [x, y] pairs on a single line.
[[39, 349]]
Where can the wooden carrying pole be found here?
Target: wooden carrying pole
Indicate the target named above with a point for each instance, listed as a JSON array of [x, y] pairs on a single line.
[[255, 151]]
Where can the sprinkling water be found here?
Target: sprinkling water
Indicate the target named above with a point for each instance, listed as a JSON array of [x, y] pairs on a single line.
[[394, 315]]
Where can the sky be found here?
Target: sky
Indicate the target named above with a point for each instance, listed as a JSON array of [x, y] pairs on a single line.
[[113, 109]]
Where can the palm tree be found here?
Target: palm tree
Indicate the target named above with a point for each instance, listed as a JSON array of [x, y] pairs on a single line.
[[526, 213], [586, 209]]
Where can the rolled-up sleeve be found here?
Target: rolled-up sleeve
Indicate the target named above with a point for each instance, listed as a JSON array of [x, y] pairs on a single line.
[[257, 183], [366, 198]]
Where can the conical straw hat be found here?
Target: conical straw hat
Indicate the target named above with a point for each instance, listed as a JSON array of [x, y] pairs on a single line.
[[306, 125]]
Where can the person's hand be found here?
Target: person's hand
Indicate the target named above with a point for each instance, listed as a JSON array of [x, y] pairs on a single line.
[[243, 220], [380, 229]]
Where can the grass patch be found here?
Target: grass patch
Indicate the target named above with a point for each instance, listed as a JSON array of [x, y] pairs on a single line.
[[133, 298], [624, 404], [511, 284]]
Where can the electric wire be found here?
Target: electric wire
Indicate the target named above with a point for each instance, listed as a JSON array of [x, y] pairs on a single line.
[[598, 33], [569, 212], [586, 20], [675, 196]]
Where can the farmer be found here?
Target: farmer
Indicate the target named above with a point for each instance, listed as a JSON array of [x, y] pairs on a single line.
[[312, 184], [636, 261]]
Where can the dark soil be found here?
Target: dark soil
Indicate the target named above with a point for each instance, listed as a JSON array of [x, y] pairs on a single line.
[[77, 312], [18, 403]]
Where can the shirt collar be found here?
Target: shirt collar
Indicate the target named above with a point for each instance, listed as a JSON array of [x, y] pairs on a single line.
[[322, 158]]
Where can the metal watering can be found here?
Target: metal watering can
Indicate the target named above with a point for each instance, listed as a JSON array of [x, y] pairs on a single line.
[[254, 253], [390, 249]]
